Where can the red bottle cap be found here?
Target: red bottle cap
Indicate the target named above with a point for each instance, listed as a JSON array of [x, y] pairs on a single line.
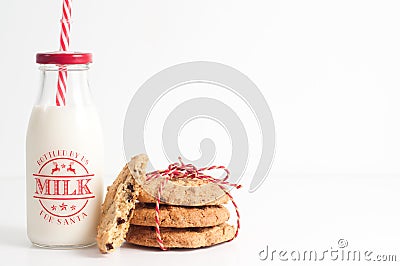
[[64, 58]]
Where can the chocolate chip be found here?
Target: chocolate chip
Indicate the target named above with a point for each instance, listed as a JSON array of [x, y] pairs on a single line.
[[129, 198], [130, 212], [130, 187], [109, 246], [120, 221]]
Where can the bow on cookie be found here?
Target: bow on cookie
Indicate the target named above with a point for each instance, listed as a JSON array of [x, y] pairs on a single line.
[[182, 170]]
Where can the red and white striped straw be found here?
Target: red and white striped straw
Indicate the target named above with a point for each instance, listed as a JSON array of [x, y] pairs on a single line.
[[64, 46]]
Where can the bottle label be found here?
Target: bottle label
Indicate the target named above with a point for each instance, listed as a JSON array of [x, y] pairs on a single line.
[[63, 187]]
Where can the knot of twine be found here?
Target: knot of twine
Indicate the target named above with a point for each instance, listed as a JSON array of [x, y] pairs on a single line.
[[182, 170]]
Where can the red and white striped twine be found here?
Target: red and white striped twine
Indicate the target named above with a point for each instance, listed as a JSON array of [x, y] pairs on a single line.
[[182, 170], [157, 215], [64, 46]]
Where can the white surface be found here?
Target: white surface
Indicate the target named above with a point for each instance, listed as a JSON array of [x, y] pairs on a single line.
[[328, 69], [290, 212]]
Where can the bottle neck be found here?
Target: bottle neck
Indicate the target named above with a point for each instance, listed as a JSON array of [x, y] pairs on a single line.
[[74, 91]]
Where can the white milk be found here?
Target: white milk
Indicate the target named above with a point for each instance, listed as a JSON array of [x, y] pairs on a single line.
[[64, 173]]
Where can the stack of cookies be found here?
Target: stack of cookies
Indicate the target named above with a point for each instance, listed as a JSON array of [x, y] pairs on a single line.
[[191, 214], [181, 226]]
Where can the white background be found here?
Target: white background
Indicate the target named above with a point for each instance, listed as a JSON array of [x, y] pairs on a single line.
[[328, 69]]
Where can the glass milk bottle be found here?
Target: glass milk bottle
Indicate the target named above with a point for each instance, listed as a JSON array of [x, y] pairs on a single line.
[[64, 155]]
